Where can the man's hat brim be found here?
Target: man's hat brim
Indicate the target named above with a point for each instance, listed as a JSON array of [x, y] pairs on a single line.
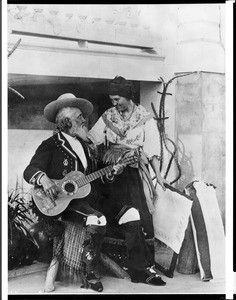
[[51, 110]]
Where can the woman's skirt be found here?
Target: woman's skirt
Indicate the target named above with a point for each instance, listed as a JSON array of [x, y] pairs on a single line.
[[126, 190]]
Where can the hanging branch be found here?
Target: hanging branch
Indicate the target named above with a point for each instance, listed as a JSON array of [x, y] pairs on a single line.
[[14, 91], [161, 126], [8, 55], [163, 139], [160, 133], [13, 48], [173, 156]]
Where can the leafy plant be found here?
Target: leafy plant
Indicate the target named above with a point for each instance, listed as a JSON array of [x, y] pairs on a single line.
[[22, 247]]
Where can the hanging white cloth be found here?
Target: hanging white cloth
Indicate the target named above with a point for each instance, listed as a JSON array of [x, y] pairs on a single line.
[[208, 232], [170, 218]]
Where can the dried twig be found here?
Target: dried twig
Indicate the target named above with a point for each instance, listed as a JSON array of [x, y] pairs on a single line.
[[13, 48], [161, 126], [9, 54], [17, 93]]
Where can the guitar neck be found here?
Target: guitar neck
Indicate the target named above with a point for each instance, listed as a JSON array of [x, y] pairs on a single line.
[[93, 176]]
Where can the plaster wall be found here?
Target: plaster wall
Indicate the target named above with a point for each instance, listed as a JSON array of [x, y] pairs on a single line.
[[94, 41], [87, 64], [200, 129], [192, 37], [22, 145]]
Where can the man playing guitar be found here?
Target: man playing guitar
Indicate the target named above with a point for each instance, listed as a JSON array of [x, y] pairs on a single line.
[[56, 157]]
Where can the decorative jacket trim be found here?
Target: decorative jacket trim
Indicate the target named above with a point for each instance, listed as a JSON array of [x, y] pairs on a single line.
[[63, 140], [33, 179]]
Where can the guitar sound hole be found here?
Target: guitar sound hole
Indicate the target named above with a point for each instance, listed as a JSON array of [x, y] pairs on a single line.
[[69, 187]]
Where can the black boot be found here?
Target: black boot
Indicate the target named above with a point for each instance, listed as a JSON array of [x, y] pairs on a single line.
[[90, 256], [148, 276], [90, 280], [139, 256], [138, 252]]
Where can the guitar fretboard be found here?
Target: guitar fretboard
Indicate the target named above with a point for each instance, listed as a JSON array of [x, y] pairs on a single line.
[[93, 176]]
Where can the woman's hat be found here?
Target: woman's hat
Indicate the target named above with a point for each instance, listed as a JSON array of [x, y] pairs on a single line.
[[67, 100]]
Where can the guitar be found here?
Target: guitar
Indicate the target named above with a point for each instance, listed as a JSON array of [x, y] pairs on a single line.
[[74, 185]]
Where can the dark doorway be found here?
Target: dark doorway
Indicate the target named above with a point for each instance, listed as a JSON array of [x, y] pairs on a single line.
[[40, 90]]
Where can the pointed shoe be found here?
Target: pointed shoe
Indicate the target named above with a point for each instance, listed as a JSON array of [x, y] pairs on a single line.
[[147, 276]]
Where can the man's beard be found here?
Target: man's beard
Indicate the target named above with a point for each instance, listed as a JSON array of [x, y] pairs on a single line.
[[81, 132]]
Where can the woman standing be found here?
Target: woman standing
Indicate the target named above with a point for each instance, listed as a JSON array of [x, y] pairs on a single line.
[[128, 129]]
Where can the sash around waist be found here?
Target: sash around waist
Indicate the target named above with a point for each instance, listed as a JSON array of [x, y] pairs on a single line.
[[115, 152]]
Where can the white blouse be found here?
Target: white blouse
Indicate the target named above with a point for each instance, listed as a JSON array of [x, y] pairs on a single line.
[[145, 135]]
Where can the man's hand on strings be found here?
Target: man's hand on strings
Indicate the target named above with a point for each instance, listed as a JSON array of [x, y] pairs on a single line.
[[49, 187], [118, 169]]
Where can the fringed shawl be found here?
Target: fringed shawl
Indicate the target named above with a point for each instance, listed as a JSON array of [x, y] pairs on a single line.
[[117, 151]]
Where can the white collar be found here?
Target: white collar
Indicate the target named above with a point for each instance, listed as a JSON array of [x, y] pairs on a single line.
[[78, 148]]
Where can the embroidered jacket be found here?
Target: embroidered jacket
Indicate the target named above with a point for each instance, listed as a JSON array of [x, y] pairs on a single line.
[[56, 158]]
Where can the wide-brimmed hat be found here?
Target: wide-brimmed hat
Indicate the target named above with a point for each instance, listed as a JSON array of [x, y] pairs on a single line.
[[67, 100]]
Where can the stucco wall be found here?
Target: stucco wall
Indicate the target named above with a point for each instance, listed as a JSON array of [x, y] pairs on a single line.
[[21, 147], [200, 128]]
